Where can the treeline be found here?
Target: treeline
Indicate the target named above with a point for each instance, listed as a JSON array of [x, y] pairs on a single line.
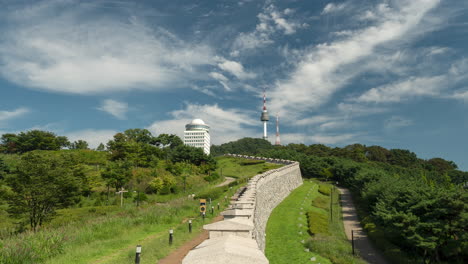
[[41, 172], [414, 209]]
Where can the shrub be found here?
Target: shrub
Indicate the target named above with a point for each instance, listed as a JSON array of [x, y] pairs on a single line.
[[212, 177], [141, 197], [247, 162], [321, 202], [325, 189], [318, 222], [214, 193]]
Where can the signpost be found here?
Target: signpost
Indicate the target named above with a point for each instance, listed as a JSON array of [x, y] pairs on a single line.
[[121, 196], [202, 205]]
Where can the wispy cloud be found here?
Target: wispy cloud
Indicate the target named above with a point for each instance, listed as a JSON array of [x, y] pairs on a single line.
[[236, 69], [7, 115], [328, 67], [316, 138], [332, 8], [62, 46], [270, 22], [115, 108], [226, 124], [417, 86], [94, 137], [396, 122]]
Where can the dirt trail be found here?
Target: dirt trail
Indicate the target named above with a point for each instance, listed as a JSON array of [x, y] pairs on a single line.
[[227, 181], [351, 222], [178, 255]]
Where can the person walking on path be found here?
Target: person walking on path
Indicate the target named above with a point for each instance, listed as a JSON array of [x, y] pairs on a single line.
[[351, 223]]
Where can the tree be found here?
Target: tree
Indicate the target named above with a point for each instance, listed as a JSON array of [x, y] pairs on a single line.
[[80, 144], [9, 143], [139, 135], [442, 166], [40, 185], [377, 153], [101, 147], [3, 169], [166, 140], [117, 174]]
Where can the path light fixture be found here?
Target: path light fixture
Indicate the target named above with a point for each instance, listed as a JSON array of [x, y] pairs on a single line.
[[137, 256]]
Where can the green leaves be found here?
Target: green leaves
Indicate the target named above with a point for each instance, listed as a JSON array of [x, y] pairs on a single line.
[[40, 185]]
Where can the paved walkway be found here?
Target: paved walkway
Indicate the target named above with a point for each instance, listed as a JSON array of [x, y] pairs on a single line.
[[178, 255], [351, 222]]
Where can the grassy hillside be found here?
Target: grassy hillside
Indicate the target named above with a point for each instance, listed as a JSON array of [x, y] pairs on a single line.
[[242, 168], [294, 227]]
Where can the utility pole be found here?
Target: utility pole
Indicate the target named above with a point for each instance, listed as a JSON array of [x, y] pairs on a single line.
[[331, 205]]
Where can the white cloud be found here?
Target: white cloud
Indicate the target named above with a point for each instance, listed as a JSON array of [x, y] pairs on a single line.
[[221, 79], [330, 66], [92, 136], [271, 21], [460, 95], [315, 139], [62, 47], [115, 108], [7, 115], [236, 69], [417, 86], [396, 122], [332, 8], [225, 124], [218, 76], [404, 90]]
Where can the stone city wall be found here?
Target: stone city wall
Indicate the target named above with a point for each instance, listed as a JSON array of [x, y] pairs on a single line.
[[245, 220]]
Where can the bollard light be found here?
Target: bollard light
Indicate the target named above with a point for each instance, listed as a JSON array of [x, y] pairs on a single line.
[[203, 215], [137, 256], [171, 236], [212, 209], [218, 206], [190, 226]]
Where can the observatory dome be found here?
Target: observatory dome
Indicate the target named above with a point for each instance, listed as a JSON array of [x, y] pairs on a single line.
[[197, 122]]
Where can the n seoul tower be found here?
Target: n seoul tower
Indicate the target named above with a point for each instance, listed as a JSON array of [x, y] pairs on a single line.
[[264, 117]]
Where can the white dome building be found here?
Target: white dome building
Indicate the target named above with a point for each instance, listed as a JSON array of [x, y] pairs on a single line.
[[197, 134]]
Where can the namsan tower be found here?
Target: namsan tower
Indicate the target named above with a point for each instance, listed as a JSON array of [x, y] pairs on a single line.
[[277, 142], [264, 117]]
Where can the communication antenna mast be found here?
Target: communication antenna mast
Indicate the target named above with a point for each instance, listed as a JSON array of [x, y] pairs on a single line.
[[278, 142], [264, 117]]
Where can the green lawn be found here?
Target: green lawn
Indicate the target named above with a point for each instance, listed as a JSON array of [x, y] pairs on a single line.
[[288, 227], [234, 167]]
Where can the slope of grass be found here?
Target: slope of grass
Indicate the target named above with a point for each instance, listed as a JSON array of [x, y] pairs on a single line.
[[327, 230], [242, 168], [287, 228]]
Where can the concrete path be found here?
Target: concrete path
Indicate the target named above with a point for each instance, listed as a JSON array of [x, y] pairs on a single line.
[[227, 180], [351, 222]]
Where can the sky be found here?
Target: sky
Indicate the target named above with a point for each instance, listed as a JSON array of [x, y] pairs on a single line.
[[391, 73]]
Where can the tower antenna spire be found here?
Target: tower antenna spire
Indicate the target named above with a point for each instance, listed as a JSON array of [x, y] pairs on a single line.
[[264, 117], [278, 142]]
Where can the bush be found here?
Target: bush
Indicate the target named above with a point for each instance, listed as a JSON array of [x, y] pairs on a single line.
[[321, 202], [212, 177], [318, 222], [214, 193], [248, 162], [325, 190], [141, 197]]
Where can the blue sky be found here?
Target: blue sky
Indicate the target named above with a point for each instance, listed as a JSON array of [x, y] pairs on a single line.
[[378, 72]]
